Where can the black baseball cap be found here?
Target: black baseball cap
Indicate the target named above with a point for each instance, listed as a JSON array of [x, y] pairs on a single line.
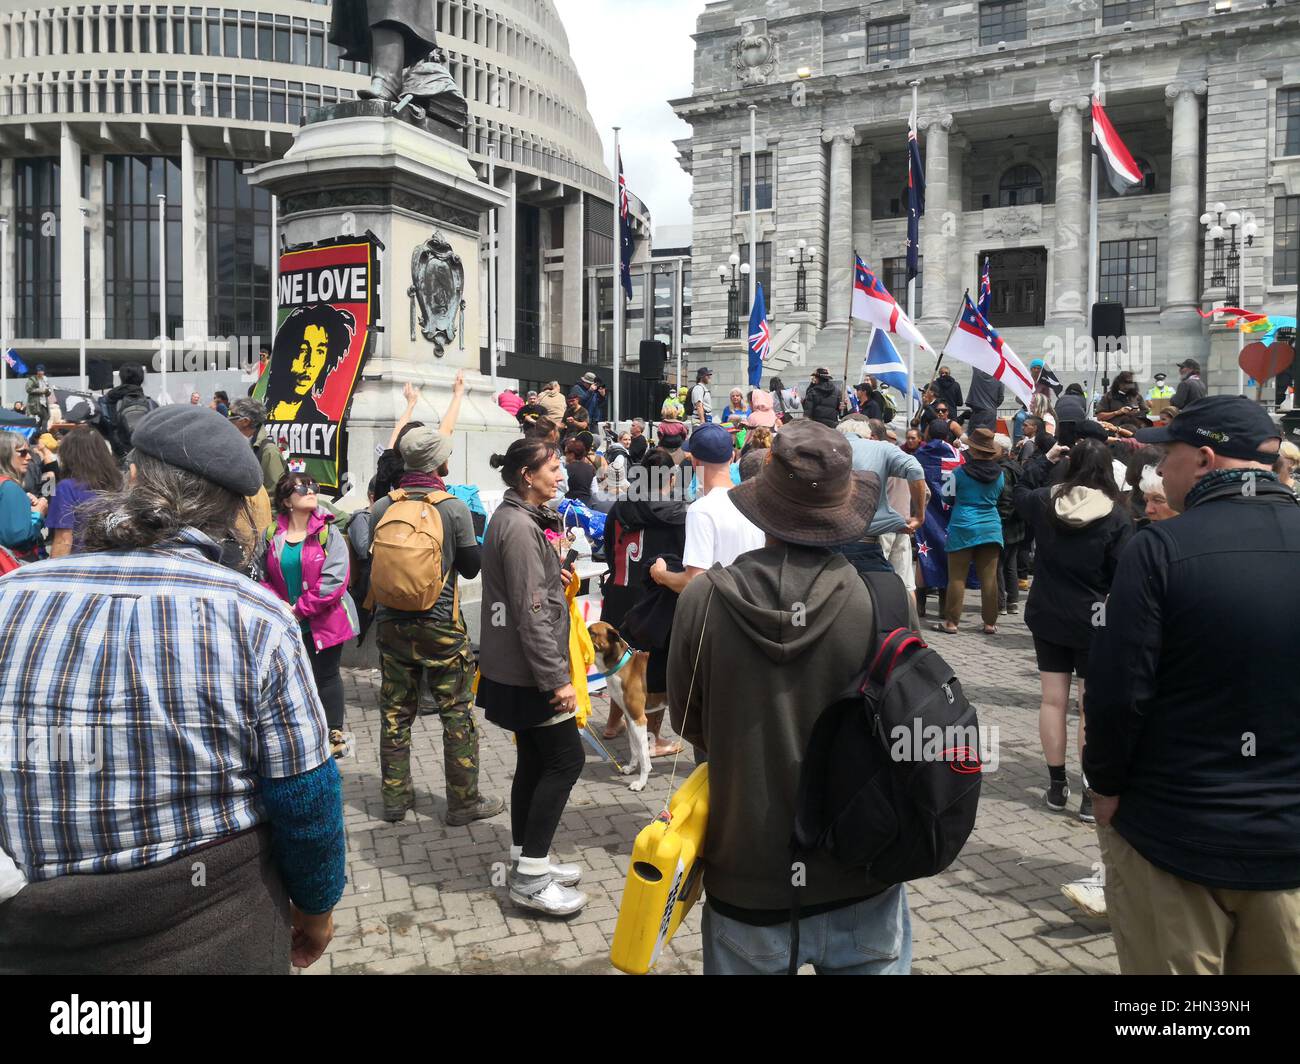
[[1190, 363], [1231, 425]]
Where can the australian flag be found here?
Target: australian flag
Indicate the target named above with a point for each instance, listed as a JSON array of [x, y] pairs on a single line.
[[760, 337], [985, 302], [915, 201], [624, 229], [14, 362]]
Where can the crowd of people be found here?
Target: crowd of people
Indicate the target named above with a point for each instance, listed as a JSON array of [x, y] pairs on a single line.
[[191, 588]]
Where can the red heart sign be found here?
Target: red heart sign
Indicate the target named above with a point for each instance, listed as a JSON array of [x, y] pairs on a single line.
[[1264, 363]]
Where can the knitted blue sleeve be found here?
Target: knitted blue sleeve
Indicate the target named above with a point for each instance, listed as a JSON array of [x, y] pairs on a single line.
[[306, 815]]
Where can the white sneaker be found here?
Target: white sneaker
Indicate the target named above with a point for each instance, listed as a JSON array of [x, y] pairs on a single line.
[[567, 875], [1088, 894], [545, 895]]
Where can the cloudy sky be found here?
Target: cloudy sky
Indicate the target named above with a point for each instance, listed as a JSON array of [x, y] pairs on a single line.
[[633, 58]]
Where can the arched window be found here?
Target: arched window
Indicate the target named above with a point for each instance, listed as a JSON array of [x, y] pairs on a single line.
[[1020, 185]]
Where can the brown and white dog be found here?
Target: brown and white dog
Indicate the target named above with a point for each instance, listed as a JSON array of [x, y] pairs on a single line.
[[627, 690]]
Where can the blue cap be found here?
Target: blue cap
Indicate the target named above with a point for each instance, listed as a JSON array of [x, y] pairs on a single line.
[[711, 443], [1037, 363]]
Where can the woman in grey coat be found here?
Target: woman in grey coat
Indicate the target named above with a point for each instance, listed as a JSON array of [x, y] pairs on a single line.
[[524, 681]]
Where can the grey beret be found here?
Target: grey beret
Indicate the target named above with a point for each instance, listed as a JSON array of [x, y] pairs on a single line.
[[201, 441], [424, 450]]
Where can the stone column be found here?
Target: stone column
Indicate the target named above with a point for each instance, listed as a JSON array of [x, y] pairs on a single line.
[[97, 264], [1070, 242], [194, 239], [72, 259], [8, 320], [958, 265], [507, 243], [839, 225], [934, 247], [1182, 286], [862, 193], [574, 278]]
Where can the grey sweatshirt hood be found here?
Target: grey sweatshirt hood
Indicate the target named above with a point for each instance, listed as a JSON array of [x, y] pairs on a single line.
[[1080, 507], [784, 599]]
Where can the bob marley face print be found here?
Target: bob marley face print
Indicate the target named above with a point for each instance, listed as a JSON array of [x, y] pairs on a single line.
[[310, 344]]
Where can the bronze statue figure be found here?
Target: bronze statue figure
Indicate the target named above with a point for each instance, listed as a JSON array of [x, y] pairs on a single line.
[[397, 39]]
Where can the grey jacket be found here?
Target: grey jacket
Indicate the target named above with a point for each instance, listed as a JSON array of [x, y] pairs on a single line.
[[525, 636]]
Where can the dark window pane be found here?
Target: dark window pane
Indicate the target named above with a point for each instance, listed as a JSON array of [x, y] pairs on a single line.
[[1286, 240], [1288, 122], [1127, 272], [888, 40], [1117, 12], [1003, 20], [895, 278], [1020, 185]]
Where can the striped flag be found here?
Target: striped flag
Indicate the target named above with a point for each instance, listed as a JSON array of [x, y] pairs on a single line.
[[1122, 171], [976, 342]]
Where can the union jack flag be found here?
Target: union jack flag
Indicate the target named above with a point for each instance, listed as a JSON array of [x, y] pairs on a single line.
[[915, 201], [760, 337]]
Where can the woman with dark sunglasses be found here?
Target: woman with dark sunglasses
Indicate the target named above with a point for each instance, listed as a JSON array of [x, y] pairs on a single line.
[[21, 515], [304, 560]]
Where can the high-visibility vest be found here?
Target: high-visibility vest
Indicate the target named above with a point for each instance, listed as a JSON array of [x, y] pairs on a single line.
[[1161, 391]]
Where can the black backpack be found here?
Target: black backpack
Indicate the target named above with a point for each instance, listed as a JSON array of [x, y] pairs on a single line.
[[896, 818]]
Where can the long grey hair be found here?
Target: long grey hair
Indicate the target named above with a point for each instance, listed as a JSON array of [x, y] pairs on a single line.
[[9, 444], [157, 504]]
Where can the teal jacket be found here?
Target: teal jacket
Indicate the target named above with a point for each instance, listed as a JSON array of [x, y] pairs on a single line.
[[975, 517]]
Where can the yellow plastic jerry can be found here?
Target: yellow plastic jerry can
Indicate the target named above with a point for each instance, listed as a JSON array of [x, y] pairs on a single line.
[[665, 878]]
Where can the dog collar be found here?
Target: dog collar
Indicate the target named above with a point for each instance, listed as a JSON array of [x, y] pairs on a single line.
[[627, 656]]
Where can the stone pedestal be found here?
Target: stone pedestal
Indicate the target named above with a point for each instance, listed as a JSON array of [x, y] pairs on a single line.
[[355, 169]]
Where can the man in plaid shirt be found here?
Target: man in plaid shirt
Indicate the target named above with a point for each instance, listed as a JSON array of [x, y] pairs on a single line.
[[158, 714]]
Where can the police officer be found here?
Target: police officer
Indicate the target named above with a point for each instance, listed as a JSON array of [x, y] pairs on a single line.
[[1160, 390]]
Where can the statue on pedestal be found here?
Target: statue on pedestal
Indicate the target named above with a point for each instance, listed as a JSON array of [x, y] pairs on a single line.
[[397, 39]]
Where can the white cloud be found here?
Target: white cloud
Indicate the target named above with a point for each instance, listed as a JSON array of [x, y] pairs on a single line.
[[633, 58]]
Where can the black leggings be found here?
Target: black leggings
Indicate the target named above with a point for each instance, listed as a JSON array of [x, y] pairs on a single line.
[[549, 762], [1009, 576], [329, 684]]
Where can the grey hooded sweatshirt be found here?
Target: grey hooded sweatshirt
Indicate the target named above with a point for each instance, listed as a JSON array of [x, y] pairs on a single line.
[[788, 629]]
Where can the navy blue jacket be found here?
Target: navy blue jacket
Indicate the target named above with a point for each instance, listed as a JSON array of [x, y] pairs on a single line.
[[1193, 702]]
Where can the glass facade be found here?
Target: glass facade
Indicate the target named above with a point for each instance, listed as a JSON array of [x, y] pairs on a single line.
[[240, 246], [36, 248], [132, 184]]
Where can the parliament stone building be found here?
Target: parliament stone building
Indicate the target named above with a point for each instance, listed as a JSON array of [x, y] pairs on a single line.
[[1205, 93]]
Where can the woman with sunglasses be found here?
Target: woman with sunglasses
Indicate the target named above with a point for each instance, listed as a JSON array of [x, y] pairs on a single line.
[[22, 515], [304, 560]]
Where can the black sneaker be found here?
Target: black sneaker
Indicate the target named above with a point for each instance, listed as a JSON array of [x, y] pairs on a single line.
[[1085, 809], [1057, 795]]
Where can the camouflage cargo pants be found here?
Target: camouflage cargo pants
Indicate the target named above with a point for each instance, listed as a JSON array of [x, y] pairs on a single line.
[[440, 651]]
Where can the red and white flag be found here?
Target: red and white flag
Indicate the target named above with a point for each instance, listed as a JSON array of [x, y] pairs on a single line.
[[872, 302], [1122, 171], [976, 342]]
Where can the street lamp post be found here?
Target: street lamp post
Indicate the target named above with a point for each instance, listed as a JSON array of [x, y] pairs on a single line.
[[801, 255], [1232, 232], [730, 275]]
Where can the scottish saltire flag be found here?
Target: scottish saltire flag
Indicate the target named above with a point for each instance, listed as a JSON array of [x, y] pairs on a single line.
[[915, 200], [624, 228], [976, 342], [885, 364], [760, 337], [872, 302], [14, 362], [985, 302], [1122, 171]]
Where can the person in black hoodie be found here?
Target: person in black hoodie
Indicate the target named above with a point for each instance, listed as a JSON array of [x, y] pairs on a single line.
[[1013, 530], [823, 402], [1080, 527], [1194, 725], [649, 524], [945, 386], [121, 409]]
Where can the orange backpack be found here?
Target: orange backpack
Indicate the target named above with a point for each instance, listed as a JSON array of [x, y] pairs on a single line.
[[406, 554]]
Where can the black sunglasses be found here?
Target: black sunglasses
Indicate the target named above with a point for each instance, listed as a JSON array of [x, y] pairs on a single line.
[[23, 452], [305, 487]]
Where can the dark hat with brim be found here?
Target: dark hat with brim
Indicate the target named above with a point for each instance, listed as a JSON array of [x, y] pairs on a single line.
[[809, 493], [982, 443]]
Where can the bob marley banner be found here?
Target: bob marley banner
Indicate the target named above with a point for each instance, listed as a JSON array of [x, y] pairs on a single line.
[[327, 312]]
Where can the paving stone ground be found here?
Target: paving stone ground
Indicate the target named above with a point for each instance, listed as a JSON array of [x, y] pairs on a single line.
[[421, 896]]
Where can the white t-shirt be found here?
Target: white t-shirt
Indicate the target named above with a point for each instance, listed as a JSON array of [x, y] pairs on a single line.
[[716, 532], [700, 394]]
